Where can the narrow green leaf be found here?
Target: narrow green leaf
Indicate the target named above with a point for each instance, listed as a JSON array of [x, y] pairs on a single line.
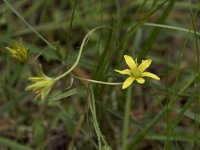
[[12, 145], [156, 31], [66, 94], [174, 137]]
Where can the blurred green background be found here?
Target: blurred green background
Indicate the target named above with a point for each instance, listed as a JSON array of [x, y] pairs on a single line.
[[157, 115]]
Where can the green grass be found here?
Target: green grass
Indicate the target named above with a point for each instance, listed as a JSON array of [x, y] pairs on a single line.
[[80, 43]]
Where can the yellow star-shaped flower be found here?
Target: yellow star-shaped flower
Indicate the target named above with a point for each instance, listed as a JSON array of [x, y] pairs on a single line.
[[41, 84], [136, 72]]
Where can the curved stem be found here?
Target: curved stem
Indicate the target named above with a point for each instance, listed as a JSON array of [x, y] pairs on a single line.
[[96, 81], [85, 40]]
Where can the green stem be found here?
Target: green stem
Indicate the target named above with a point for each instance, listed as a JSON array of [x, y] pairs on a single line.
[[96, 81], [126, 118], [26, 23], [171, 27], [85, 40]]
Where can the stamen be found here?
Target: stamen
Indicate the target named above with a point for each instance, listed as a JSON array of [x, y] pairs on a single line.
[[136, 73]]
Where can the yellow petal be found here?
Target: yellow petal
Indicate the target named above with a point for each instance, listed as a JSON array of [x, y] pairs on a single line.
[[35, 79], [130, 62], [38, 85], [144, 65], [45, 92], [151, 75], [125, 71], [140, 80], [128, 82]]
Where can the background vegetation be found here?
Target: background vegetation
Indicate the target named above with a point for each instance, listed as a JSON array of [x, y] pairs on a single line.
[[156, 115]]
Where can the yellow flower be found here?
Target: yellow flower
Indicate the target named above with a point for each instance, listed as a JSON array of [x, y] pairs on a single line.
[[18, 51], [136, 72], [41, 85]]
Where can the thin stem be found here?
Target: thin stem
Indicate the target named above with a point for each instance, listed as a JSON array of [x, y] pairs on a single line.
[[96, 81], [171, 27], [85, 40], [126, 118], [26, 23]]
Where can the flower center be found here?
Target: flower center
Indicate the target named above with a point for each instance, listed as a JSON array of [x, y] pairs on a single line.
[[136, 73]]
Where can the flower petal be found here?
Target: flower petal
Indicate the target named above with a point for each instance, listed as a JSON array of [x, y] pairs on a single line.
[[45, 92], [35, 79], [144, 65], [128, 82], [140, 80], [130, 62], [125, 71], [151, 75]]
